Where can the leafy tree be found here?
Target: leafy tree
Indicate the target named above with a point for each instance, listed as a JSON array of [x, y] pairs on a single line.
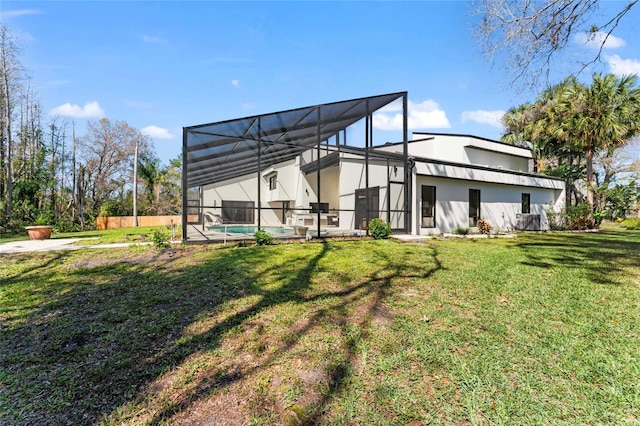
[[526, 126], [571, 122], [170, 191], [41, 176], [528, 34], [153, 176], [107, 152], [530, 125], [620, 199], [603, 116]]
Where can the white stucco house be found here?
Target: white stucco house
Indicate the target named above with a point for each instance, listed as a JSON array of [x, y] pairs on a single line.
[[294, 170]]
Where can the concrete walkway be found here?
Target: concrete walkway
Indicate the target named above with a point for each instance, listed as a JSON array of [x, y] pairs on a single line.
[[55, 244]]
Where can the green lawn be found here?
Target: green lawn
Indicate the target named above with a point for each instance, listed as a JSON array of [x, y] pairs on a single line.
[[92, 237], [541, 329]]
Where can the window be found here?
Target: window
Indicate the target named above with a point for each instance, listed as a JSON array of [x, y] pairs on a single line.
[[428, 206], [322, 207], [526, 203], [273, 182], [474, 206], [238, 211]]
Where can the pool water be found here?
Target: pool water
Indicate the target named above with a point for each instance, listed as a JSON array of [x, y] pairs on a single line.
[[249, 229]]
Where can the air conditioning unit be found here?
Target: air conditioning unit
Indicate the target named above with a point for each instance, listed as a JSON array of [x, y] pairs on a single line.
[[528, 222]]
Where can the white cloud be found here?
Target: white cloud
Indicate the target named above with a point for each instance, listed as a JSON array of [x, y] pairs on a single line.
[[424, 115], [596, 39], [491, 118], [89, 110], [156, 132], [620, 67], [235, 83], [152, 39], [20, 12]]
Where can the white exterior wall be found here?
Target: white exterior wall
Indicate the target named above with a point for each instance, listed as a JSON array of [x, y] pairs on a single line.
[[245, 188], [466, 150], [353, 177], [496, 160], [499, 203], [330, 180]]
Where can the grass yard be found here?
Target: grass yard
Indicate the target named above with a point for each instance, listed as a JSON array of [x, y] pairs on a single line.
[[120, 235], [542, 329]]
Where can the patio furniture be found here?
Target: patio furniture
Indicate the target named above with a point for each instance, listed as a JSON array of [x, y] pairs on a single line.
[[212, 219]]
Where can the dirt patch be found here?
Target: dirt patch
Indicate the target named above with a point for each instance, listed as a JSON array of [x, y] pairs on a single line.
[[382, 315], [148, 256]]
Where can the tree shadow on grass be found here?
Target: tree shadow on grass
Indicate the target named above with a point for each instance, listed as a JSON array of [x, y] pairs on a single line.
[[605, 257], [107, 331]]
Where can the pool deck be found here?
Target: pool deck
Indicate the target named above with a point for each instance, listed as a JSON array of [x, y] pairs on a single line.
[[197, 235]]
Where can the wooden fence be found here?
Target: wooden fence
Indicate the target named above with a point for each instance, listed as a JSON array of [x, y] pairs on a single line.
[[114, 222]]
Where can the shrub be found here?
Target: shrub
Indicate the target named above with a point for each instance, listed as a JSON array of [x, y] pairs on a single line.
[[160, 239], [460, 231], [555, 219], [113, 208], [379, 229], [579, 217], [65, 226], [598, 217], [45, 217], [632, 223], [484, 227], [262, 237]]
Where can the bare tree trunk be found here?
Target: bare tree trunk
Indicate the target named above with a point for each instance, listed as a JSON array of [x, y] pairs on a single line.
[[80, 187], [7, 132], [590, 183], [73, 170], [63, 161], [2, 159]]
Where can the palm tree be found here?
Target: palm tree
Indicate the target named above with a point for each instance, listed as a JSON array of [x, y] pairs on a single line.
[[150, 172], [527, 126], [517, 122], [605, 115]]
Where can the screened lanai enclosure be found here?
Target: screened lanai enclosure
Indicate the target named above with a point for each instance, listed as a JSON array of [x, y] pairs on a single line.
[[307, 172]]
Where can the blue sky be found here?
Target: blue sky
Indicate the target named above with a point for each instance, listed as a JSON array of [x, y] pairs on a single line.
[[161, 66]]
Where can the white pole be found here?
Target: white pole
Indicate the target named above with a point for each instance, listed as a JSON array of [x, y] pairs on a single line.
[[135, 185]]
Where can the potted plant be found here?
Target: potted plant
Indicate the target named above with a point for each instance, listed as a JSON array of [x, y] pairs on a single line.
[[40, 231]]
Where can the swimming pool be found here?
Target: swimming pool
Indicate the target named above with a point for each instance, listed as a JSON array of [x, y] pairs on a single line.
[[249, 229]]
